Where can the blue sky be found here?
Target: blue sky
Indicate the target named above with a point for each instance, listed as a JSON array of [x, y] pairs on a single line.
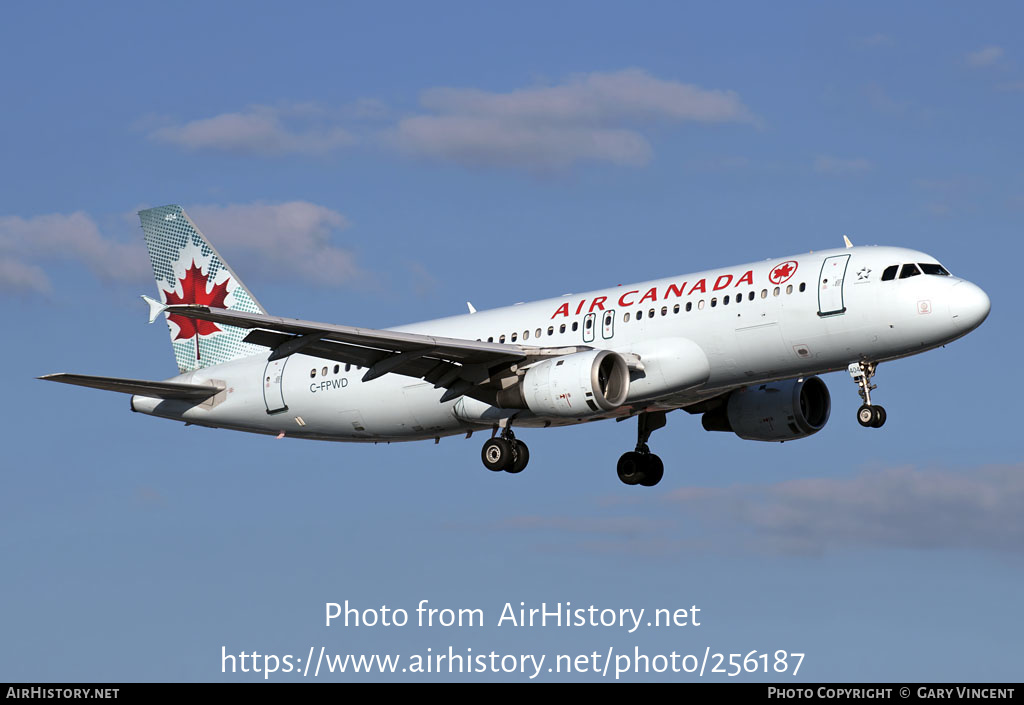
[[379, 165]]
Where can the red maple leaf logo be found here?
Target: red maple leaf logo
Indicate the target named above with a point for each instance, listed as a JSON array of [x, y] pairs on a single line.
[[194, 291], [783, 272]]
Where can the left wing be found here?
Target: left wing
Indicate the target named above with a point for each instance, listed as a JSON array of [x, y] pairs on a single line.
[[470, 367]]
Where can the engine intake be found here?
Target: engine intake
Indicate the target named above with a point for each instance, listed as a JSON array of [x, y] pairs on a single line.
[[779, 411], [577, 385]]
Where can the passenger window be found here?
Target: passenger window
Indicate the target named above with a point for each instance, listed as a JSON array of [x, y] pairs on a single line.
[[689, 306], [909, 270], [650, 314], [764, 293], [312, 373], [675, 309], [537, 333], [639, 315], [700, 305], [501, 339], [490, 339], [348, 366], [526, 335], [789, 289], [714, 301], [890, 273], [664, 310], [551, 330], [561, 328], [514, 336], [337, 369], [324, 372], [625, 317], [725, 301], [803, 286], [575, 326]]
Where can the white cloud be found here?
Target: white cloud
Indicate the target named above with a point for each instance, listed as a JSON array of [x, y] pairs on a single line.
[[19, 277], [278, 241], [985, 56], [476, 141], [877, 39], [262, 130], [27, 242], [289, 239], [978, 509], [893, 508], [596, 117], [834, 166]]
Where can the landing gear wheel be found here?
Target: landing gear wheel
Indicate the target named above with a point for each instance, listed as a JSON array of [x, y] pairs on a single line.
[[641, 466], [631, 468], [522, 457], [653, 472], [497, 454], [868, 414]]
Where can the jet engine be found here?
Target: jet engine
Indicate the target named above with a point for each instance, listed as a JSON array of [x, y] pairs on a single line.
[[779, 411], [577, 385]]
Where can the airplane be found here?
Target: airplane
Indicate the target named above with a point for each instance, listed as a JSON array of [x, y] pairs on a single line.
[[741, 346]]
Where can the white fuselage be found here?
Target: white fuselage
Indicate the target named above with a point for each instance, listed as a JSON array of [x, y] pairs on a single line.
[[697, 336]]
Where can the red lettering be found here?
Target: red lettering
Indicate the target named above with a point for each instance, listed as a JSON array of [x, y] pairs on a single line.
[[748, 278], [699, 286], [651, 294], [672, 287], [622, 299], [599, 303], [563, 310], [580, 307], [719, 284]]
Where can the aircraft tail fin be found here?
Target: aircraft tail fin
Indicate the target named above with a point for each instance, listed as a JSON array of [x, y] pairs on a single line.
[[189, 270]]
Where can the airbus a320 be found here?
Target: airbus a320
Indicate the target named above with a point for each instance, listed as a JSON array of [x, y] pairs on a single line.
[[740, 346]]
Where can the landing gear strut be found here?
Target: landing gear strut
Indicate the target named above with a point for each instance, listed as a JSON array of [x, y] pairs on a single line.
[[641, 466], [868, 414], [505, 453]]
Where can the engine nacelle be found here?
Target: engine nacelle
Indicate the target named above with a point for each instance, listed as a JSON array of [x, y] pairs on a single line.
[[779, 411], [581, 384]]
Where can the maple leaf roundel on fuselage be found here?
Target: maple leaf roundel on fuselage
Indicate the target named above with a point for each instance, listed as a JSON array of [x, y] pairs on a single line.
[[194, 291]]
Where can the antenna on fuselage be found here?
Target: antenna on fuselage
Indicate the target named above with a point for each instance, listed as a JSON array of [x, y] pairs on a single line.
[[847, 241], [471, 309]]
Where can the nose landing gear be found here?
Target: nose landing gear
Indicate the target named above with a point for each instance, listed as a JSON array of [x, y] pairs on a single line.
[[641, 466], [868, 414]]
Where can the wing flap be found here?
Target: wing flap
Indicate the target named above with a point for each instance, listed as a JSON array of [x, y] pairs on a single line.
[[142, 387]]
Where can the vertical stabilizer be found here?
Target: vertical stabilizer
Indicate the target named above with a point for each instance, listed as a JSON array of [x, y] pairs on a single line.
[[189, 270]]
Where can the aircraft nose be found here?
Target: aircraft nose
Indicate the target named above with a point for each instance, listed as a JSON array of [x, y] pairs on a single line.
[[969, 305]]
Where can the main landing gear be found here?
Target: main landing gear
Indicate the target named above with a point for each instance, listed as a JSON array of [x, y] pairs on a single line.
[[868, 414], [641, 466], [505, 453]]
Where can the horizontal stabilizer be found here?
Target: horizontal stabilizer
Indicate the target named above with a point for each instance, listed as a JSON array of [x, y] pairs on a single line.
[[142, 387]]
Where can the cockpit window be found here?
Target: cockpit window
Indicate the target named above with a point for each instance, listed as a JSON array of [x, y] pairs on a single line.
[[934, 269], [909, 270], [890, 273]]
